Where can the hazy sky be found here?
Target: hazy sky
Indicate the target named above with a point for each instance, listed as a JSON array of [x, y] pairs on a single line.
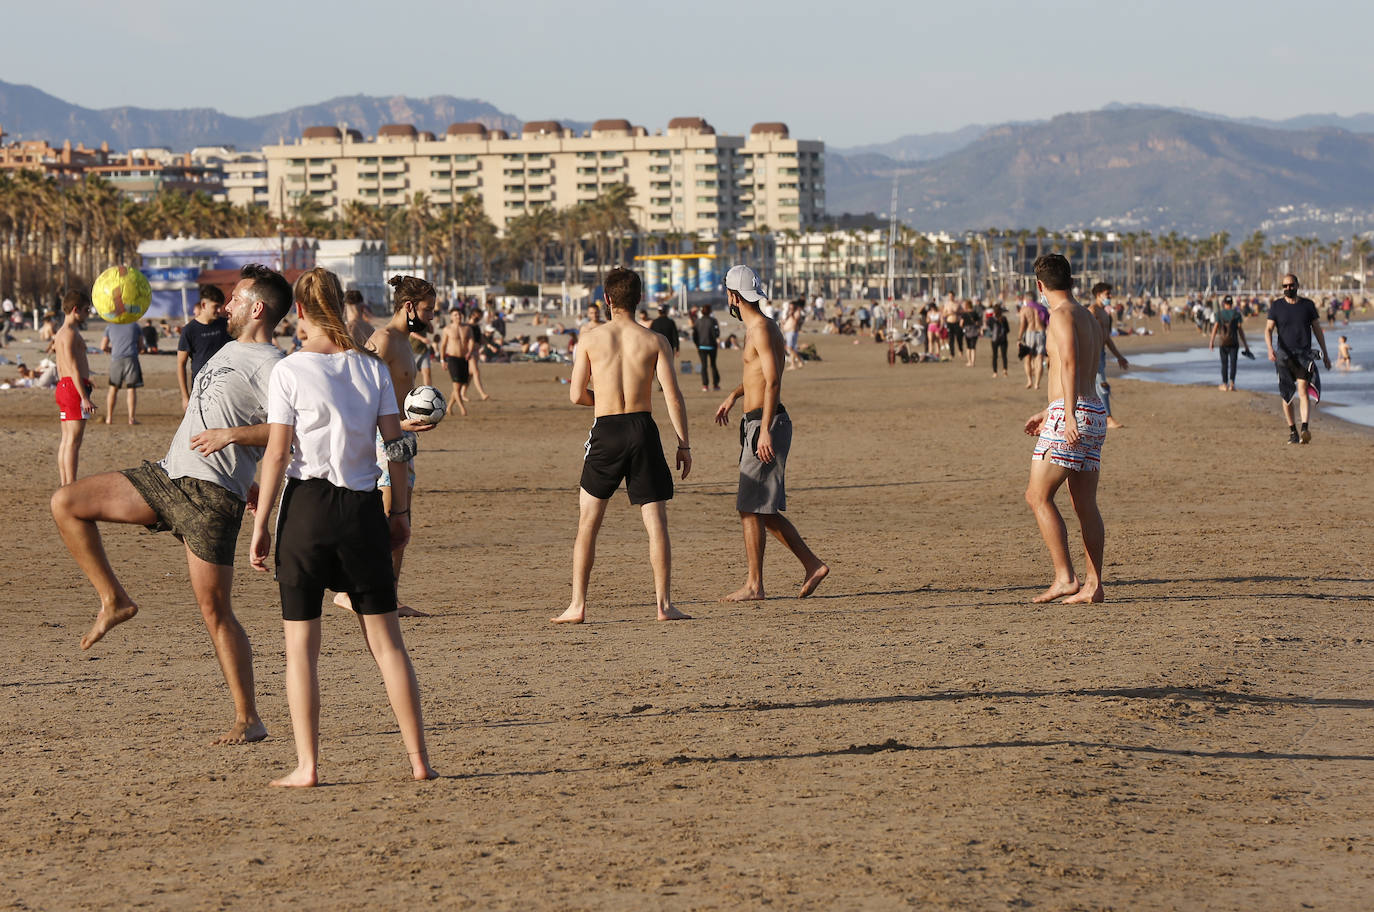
[[847, 72]]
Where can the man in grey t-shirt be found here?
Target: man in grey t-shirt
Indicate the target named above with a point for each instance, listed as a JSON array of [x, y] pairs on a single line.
[[197, 492], [123, 342]]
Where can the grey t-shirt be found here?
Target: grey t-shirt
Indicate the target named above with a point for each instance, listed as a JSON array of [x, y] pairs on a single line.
[[230, 391], [125, 338]]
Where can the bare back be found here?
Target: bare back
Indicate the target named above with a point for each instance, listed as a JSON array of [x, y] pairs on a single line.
[[1074, 339], [623, 358], [393, 347], [763, 346]]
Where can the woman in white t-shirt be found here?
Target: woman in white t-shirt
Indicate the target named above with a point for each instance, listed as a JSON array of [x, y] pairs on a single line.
[[325, 405]]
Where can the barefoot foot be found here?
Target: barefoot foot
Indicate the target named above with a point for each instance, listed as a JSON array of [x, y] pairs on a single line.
[[423, 773], [243, 733], [301, 777], [574, 615], [109, 616], [1089, 593], [343, 601], [745, 594], [1057, 590], [672, 614], [813, 579], [406, 611], [1114, 424]]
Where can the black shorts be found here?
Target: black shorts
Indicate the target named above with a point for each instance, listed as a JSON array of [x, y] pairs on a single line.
[[457, 369], [628, 447], [332, 538]]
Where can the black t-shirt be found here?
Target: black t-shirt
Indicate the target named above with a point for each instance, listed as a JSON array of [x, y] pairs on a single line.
[[202, 340], [665, 327], [1293, 323]]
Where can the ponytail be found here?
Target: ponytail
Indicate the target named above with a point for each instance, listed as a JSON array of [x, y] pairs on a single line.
[[321, 297]]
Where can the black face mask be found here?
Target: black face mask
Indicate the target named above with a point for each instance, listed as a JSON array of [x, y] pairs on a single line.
[[416, 325], [734, 311], [1290, 292]]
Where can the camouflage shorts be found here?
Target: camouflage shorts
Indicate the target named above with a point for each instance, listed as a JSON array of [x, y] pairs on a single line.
[[200, 513]]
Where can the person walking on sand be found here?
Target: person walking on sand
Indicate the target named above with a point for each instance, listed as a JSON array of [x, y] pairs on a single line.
[[457, 344], [197, 492], [73, 392], [621, 359], [1069, 433], [706, 334], [1228, 333], [1101, 309], [326, 404], [1288, 334], [1031, 331], [355, 316], [414, 303], [123, 342], [475, 353], [765, 441]]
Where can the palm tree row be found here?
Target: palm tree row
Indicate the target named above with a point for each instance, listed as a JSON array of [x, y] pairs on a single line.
[[54, 234]]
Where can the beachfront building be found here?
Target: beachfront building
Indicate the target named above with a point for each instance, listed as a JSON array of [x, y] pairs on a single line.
[[687, 179]]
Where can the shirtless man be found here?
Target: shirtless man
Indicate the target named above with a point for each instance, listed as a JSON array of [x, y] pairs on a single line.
[[622, 358], [73, 393], [765, 439], [355, 316], [414, 303], [1101, 308], [457, 343], [197, 492], [1070, 434], [1031, 332]]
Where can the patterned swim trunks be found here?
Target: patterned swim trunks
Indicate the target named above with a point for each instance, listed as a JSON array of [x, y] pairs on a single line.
[[1084, 456]]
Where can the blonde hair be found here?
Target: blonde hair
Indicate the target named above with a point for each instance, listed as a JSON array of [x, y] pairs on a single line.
[[320, 296]]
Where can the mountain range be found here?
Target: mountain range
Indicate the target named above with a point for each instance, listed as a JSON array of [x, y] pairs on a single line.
[[1125, 167]]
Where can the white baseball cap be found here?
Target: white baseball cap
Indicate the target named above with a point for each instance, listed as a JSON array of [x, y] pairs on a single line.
[[745, 282]]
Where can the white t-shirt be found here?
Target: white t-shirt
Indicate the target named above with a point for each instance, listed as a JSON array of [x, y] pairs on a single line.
[[333, 402]]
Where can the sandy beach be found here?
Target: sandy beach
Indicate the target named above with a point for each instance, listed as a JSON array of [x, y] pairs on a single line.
[[915, 735]]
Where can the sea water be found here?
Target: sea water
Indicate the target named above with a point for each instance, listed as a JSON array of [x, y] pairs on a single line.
[[1348, 395]]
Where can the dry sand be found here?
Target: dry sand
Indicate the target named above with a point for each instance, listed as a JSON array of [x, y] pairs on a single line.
[[915, 735]]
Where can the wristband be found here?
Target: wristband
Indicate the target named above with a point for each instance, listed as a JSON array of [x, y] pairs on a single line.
[[405, 512]]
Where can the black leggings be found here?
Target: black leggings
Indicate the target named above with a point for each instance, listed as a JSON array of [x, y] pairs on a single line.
[[1229, 354], [999, 345], [708, 361]]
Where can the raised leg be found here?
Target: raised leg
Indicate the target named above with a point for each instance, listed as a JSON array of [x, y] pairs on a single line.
[[303, 698], [77, 507], [1045, 479], [212, 584], [661, 558], [814, 568], [383, 635], [591, 511]]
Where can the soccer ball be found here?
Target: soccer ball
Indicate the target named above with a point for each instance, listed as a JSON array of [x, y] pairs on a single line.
[[426, 405], [121, 295]]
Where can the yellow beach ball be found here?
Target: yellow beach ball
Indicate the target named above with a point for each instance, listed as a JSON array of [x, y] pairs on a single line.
[[121, 295]]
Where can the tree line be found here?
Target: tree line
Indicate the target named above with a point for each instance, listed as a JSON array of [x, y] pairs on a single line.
[[57, 233]]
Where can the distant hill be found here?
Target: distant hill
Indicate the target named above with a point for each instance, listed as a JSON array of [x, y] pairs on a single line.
[[34, 114], [1126, 169]]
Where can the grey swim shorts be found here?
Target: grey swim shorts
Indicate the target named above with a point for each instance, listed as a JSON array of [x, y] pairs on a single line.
[[761, 487]]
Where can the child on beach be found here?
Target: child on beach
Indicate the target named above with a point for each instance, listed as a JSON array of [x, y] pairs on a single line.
[[73, 393], [1343, 355], [325, 405]]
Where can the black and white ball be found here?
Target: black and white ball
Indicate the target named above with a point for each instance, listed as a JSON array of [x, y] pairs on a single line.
[[426, 405]]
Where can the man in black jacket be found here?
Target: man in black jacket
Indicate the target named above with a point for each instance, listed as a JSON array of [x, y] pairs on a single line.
[[706, 333]]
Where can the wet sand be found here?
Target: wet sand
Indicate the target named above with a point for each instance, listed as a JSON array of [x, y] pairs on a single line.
[[916, 734]]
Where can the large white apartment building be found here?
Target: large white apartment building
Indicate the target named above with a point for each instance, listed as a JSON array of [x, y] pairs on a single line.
[[686, 178]]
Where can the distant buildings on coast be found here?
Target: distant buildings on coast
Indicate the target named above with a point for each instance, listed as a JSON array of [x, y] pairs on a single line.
[[687, 179]]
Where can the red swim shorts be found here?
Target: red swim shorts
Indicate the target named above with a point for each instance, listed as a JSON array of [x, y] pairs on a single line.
[[69, 400]]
